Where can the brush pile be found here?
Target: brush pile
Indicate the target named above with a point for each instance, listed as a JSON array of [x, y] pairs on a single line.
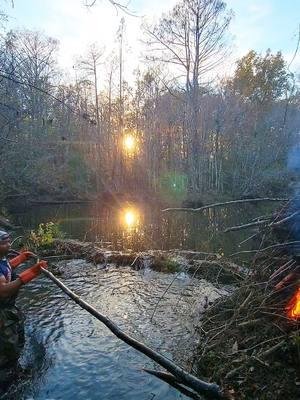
[[250, 341]]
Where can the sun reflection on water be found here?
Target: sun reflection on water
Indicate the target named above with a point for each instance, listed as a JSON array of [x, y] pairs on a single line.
[[130, 218]]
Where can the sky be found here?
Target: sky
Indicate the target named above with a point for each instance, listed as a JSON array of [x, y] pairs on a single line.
[[257, 24]]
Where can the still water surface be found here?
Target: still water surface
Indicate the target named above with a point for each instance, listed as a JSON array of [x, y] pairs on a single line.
[[143, 226]]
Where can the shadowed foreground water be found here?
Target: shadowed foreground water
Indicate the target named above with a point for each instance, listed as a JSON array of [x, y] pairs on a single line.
[[71, 355]]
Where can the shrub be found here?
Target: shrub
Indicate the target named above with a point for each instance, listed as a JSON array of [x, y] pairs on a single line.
[[44, 235]]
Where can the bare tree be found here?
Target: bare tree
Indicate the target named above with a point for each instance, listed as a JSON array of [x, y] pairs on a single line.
[[118, 6], [191, 40], [89, 66]]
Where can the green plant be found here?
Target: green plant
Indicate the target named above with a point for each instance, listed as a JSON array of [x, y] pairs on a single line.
[[44, 235]]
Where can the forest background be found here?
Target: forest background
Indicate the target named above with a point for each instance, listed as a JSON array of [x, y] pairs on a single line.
[[177, 130]]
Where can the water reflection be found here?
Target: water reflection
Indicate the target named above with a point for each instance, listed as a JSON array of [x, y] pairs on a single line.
[[143, 226], [130, 218], [63, 340]]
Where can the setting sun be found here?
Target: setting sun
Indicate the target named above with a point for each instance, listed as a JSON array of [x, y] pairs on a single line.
[[129, 143]]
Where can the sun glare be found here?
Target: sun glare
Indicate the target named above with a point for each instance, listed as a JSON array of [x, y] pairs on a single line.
[[130, 218], [129, 143]]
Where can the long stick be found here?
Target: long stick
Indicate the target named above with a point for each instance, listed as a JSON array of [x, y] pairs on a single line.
[[209, 389], [226, 203]]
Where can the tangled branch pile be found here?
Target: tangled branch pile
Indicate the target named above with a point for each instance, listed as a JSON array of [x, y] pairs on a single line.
[[249, 344]]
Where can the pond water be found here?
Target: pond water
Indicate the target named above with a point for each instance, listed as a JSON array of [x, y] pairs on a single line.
[[141, 226], [69, 354]]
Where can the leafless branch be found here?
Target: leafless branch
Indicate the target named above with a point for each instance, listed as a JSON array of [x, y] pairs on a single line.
[[226, 203]]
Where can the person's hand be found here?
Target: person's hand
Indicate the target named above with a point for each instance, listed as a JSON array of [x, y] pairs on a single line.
[[27, 254], [32, 272], [22, 257]]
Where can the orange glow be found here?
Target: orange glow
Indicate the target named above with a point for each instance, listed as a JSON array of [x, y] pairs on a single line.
[[130, 217], [293, 307], [129, 143]]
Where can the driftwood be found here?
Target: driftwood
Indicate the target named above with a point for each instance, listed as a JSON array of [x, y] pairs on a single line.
[[210, 390], [226, 203], [217, 271]]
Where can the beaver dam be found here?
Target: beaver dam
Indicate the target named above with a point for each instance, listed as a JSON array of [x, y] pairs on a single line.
[[230, 320]]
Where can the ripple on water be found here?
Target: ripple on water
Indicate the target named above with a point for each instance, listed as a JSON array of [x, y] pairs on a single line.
[[77, 356]]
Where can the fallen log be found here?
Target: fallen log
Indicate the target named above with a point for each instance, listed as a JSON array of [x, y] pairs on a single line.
[[210, 390]]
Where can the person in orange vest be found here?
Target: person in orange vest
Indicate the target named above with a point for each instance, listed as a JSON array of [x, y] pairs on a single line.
[[11, 318]]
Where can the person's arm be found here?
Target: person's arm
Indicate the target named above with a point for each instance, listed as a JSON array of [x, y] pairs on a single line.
[[8, 289], [20, 259]]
